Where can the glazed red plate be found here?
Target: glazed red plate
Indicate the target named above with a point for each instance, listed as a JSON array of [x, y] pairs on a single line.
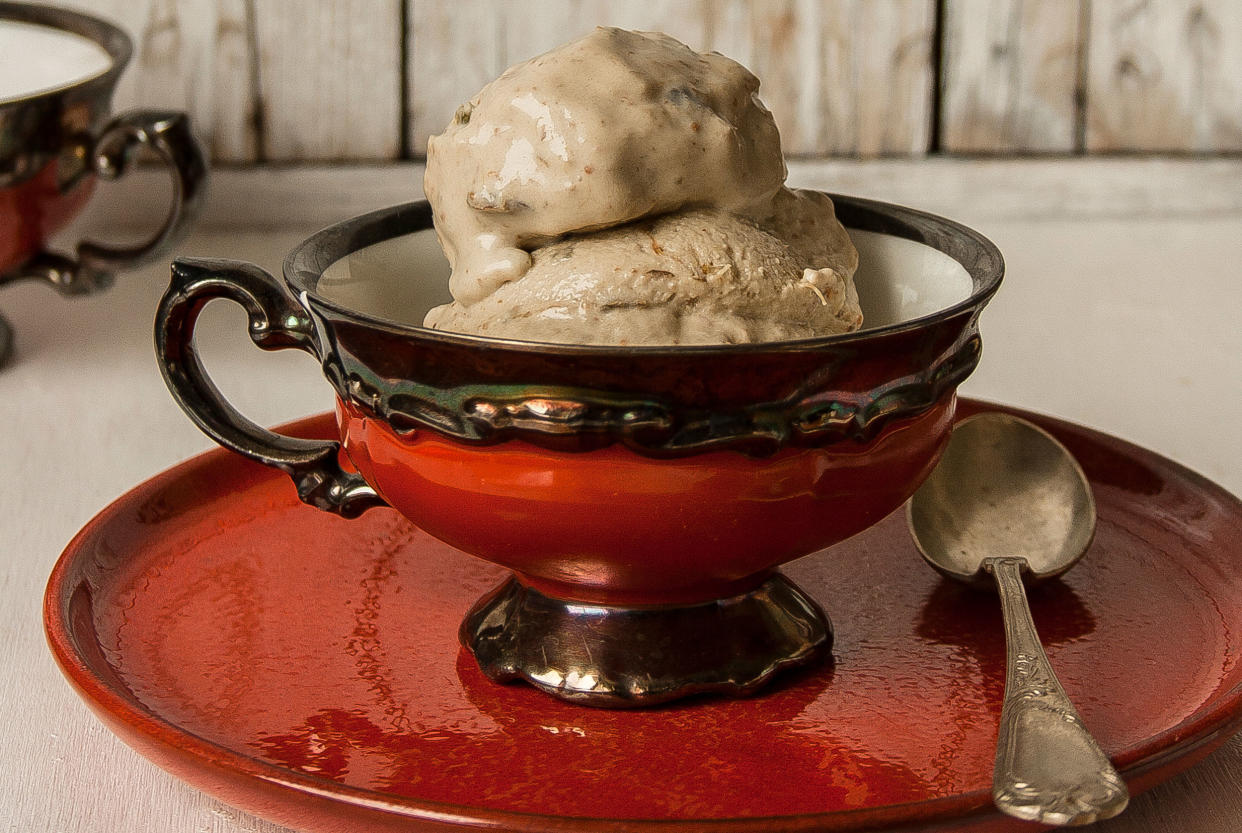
[[306, 668]]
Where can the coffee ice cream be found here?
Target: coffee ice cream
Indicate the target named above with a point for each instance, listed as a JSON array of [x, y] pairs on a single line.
[[624, 189]]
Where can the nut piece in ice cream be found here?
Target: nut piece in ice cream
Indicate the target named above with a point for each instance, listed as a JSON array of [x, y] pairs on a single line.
[[624, 189]]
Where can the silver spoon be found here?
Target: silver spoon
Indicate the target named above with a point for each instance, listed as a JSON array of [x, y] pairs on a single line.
[[1007, 499]]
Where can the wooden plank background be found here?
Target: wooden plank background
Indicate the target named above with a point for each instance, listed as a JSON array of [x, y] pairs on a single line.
[[370, 80]]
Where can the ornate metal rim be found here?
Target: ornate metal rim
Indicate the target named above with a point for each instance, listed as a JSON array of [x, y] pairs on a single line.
[[979, 256], [577, 419], [565, 416]]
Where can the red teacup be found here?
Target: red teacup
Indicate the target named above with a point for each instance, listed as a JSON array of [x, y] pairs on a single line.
[[56, 141], [642, 496]]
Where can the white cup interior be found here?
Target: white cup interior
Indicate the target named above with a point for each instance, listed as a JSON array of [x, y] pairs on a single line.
[[401, 278], [38, 59]]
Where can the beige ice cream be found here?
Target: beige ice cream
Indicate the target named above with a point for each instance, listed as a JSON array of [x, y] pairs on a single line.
[[624, 189], [701, 276]]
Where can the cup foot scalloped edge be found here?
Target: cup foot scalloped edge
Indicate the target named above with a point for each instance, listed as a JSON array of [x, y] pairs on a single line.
[[616, 656]]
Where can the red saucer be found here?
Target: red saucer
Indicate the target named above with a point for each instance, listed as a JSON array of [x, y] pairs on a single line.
[[306, 668]]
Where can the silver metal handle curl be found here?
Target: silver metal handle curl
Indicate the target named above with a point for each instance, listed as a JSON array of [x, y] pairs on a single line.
[[168, 135], [276, 322]]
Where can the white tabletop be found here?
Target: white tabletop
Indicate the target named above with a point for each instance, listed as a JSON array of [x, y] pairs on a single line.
[[1124, 320]]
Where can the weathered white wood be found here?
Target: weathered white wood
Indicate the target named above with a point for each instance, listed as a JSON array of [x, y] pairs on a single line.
[[535, 26], [330, 78], [823, 65], [234, 94], [778, 32], [454, 49], [297, 80], [1010, 76], [457, 48], [194, 56], [727, 30], [876, 80], [276, 80], [1165, 76], [848, 78]]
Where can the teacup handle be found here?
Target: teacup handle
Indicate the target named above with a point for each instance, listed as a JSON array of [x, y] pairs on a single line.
[[168, 134], [277, 322]]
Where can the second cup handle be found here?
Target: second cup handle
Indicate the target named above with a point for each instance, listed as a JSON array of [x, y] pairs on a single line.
[[168, 134], [276, 322]]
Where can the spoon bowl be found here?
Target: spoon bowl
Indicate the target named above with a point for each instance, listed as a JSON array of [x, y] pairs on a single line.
[[1003, 487], [1007, 503]]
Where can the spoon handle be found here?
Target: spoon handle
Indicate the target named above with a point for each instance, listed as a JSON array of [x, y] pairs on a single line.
[[1048, 767]]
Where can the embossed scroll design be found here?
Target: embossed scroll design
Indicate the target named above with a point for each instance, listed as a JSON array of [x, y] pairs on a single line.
[[485, 414], [1048, 766]]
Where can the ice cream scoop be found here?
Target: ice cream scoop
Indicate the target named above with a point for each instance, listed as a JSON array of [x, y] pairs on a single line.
[[606, 129], [694, 277], [625, 189]]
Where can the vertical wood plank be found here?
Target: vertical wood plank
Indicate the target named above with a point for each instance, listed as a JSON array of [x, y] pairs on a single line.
[[847, 78], [727, 30], [234, 89], [777, 32], [1010, 76], [535, 26], [842, 77], [685, 20], [454, 49], [457, 48], [1165, 76], [880, 92], [330, 74], [193, 56]]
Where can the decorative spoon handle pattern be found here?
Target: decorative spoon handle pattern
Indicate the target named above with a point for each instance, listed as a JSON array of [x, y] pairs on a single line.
[[1048, 766]]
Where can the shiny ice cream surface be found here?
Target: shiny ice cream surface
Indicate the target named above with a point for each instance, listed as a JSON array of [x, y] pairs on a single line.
[[624, 189], [690, 277]]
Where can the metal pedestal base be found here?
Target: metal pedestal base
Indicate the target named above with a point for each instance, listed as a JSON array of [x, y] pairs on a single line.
[[624, 657]]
